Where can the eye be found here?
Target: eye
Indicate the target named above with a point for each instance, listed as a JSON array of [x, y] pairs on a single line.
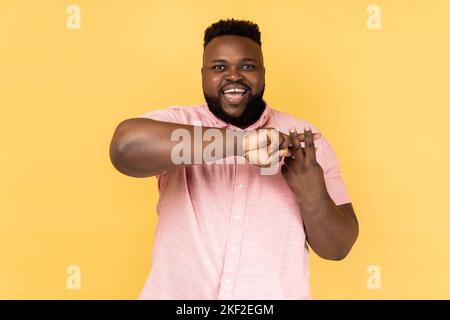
[[219, 67], [248, 67]]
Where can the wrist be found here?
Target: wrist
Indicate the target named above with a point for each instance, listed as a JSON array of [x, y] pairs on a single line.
[[315, 200]]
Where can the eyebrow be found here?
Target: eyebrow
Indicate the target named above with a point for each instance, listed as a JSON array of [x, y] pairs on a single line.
[[223, 60]]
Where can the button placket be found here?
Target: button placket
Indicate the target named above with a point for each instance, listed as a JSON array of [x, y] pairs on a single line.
[[232, 254]]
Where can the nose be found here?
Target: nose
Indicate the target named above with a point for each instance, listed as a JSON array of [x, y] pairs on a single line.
[[233, 74]]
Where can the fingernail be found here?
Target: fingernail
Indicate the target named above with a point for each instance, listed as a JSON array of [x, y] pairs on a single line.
[[292, 130], [307, 128]]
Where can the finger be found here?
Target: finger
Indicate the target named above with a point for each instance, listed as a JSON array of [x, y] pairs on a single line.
[[264, 148], [316, 135], [294, 138], [277, 140], [288, 161], [245, 141], [291, 151], [284, 171], [301, 137], [276, 157], [288, 152], [285, 140], [310, 149], [297, 148], [284, 152]]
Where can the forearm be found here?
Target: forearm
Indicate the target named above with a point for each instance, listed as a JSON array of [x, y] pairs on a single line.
[[144, 147], [330, 231]]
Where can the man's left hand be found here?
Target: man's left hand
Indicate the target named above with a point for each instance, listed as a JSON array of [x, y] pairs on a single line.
[[302, 172]]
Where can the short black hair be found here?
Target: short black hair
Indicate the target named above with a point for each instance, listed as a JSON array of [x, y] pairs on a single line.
[[234, 27]]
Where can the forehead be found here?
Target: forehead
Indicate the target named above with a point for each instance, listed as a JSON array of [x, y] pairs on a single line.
[[231, 48]]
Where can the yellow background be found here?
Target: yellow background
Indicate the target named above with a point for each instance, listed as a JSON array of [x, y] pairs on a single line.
[[381, 97]]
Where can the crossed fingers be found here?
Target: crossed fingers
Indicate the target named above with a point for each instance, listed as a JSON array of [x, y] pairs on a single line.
[[298, 155]]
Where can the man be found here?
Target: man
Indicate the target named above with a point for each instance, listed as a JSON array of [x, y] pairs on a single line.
[[225, 230]]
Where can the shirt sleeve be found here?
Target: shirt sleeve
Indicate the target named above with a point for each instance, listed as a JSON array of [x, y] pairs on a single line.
[[333, 175], [172, 114]]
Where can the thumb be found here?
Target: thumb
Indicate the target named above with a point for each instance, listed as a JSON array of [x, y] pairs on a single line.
[[285, 152]]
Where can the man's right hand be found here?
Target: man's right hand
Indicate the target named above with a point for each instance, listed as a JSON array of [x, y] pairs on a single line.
[[266, 147]]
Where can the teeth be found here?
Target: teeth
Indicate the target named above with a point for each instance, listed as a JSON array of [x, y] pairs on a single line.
[[234, 90]]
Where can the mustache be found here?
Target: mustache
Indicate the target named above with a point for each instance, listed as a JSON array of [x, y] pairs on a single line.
[[252, 112]]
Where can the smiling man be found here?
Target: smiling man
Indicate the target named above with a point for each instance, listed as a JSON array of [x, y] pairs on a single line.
[[226, 231]]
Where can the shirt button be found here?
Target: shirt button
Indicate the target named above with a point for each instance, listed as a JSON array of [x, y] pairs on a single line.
[[227, 281], [233, 248], [237, 217], [240, 186]]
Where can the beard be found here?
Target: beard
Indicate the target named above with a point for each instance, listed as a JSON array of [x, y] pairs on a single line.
[[252, 112]]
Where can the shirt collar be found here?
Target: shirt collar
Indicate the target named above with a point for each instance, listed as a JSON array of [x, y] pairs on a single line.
[[258, 124]]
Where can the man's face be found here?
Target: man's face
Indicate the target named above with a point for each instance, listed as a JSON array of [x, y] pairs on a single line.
[[233, 79]]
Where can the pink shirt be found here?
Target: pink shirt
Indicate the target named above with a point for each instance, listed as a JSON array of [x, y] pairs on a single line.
[[225, 231]]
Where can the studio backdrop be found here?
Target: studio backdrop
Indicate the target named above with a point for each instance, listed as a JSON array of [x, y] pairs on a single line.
[[372, 75]]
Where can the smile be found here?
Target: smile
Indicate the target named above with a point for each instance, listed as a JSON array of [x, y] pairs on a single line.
[[234, 95]]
